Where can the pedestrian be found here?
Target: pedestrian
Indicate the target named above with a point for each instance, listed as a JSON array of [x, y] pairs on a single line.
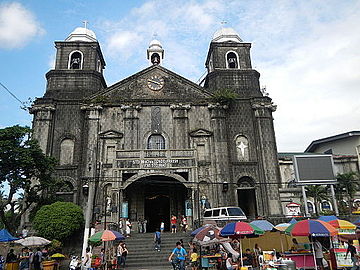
[[318, 254], [102, 259], [24, 259], [184, 224], [194, 259], [157, 240], [173, 222], [119, 252], [140, 226], [177, 256], [230, 265], [353, 254], [11, 257], [248, 258], [124, 254], [87, 259], [2, 261], [162, 226], [128, 227], [144, 224], [37, 259]]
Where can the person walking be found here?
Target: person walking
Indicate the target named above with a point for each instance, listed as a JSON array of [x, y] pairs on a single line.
[[37, 259], [119, 252], [173, 223], [177, 256], [353, 254], [124, 254], [128, 227], [319, 255], [87, 259], [11, 257], [144, 224], [194, 259], [162, 226], [102, 259], [157, 240], [184, 224], [24, 259]]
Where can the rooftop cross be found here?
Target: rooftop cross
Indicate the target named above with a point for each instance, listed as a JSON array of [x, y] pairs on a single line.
[[223, 22], [85, 24], [155, 35]]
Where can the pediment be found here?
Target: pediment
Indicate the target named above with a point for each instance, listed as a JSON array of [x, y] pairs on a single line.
[[138, 88], [200, 133], [111, 134]]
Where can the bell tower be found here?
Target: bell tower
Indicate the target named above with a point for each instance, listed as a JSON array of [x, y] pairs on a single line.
[[79, 66], [155, 53], [229, 65]]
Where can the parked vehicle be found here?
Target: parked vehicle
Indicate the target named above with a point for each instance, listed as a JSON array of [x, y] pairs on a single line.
[[229, 213]]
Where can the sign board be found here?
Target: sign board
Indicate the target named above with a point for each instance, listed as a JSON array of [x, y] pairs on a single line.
[[125, 210], [293, 210], [314, 169]]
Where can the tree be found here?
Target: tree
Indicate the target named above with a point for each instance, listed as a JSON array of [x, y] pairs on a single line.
[[59, 220], [318, 193], [348, 184], [25, 172]]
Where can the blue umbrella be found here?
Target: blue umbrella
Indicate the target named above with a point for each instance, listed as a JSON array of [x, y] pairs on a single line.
[[195, 232], [293, 221], [327, 218], [263, 224], [5, 236]]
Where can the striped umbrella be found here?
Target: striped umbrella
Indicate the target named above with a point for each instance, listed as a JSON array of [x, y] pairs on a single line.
[[282, 226], [327, 218], [239, 229], [209, 235], [342, 224], [107, 235], [311, 227], [263, 225]]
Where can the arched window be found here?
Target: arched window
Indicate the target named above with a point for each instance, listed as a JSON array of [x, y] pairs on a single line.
[[66, 152], [156, 141], [311, 207], [75, 60], [242, 148], [232, 60], [155, 59], [326, 206], [66, 192]]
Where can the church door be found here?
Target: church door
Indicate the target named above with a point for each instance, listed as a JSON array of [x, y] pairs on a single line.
[[247, 201], [157, 210]]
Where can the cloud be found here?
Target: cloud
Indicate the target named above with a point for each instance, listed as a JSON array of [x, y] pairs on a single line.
[[123, 42], [18, 26]]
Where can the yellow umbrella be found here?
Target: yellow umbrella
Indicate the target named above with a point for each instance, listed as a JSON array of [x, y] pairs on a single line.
[[57, 256]]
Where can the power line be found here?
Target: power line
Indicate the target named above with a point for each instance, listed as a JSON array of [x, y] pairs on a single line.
[[12, 94]]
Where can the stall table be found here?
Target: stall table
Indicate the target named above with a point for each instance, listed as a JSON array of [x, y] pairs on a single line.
[[302, 260]]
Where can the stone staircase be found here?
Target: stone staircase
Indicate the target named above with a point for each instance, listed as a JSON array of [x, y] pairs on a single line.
[[142, 255]]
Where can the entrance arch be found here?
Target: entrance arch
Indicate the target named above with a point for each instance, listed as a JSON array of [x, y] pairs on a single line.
[[246, 195], [155, 198]]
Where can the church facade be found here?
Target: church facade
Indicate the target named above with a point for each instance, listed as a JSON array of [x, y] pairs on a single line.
[[156, 144]]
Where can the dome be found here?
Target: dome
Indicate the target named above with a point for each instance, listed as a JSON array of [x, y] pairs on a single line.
[[82, 34], [155, 44], [226, 34]]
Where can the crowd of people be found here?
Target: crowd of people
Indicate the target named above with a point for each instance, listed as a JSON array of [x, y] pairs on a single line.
[[28, 259]]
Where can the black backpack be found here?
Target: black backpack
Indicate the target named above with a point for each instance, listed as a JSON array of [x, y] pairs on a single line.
[[36, 258]]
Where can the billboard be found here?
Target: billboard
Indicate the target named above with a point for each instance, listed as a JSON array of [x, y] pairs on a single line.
[[314, 169]]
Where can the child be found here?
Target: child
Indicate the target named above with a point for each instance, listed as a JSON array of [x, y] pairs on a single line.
[[162, 226], [194, 259]]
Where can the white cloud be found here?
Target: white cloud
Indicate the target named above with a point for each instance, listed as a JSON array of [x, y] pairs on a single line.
[[18, 26], [123, 42]]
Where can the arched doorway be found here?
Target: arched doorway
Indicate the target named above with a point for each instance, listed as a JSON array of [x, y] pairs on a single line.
[[246, 194], [156, 198]]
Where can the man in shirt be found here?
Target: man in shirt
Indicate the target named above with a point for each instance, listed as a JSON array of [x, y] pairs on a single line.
[[179, 254], [318, 254], [248, 258], [157, 240], [352, 250]]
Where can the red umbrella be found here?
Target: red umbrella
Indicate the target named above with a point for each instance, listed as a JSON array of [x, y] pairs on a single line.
[[239, 229], [209, 235]]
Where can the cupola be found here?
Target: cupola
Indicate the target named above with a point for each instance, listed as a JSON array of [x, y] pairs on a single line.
[[82, 34], [155, 52]]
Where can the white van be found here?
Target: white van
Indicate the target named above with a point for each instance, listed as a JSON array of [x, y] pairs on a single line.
[[225, 213]]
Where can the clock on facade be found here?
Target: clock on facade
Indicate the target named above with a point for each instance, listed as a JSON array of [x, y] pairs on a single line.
[[155, 82]]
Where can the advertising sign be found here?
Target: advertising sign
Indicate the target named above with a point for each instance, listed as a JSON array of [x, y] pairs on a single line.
[[125, 210], [188, 208]]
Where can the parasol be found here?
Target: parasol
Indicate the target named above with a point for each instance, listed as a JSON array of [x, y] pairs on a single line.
[[194, 232], [239, 229], [311, 227], [293, 221], [282, 226], [107, 235], [5, 236], [263, 224], [342, 224], [208, 236], [327, 218], [33, 241], [57, 256]]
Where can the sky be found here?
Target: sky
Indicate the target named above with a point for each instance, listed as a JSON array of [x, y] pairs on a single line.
[[307, 52]]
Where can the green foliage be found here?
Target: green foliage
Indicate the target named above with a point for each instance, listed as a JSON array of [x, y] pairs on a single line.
[[25, 169], [348, 184], [55, 246], [224, 96], [59, 220], [318, 193]]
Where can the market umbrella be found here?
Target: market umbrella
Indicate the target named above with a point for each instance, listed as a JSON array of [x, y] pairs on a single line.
[[106, 235], [195, 232], [5, 236], [342, 224], [263, 225], [208, 236], [58, 256], [311, 227], [293, 221], [239, 229], [327, 218], [33, 241], [282, 226]]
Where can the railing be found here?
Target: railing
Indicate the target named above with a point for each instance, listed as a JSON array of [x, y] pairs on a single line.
[[155, 159]]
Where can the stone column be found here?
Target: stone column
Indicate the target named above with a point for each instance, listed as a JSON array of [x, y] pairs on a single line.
[[269, 172], [181, 125], [131, 126], [92, 117], [42, 125], [221, 153]]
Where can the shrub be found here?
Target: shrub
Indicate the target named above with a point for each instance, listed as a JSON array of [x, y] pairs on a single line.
[[59, 220]]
